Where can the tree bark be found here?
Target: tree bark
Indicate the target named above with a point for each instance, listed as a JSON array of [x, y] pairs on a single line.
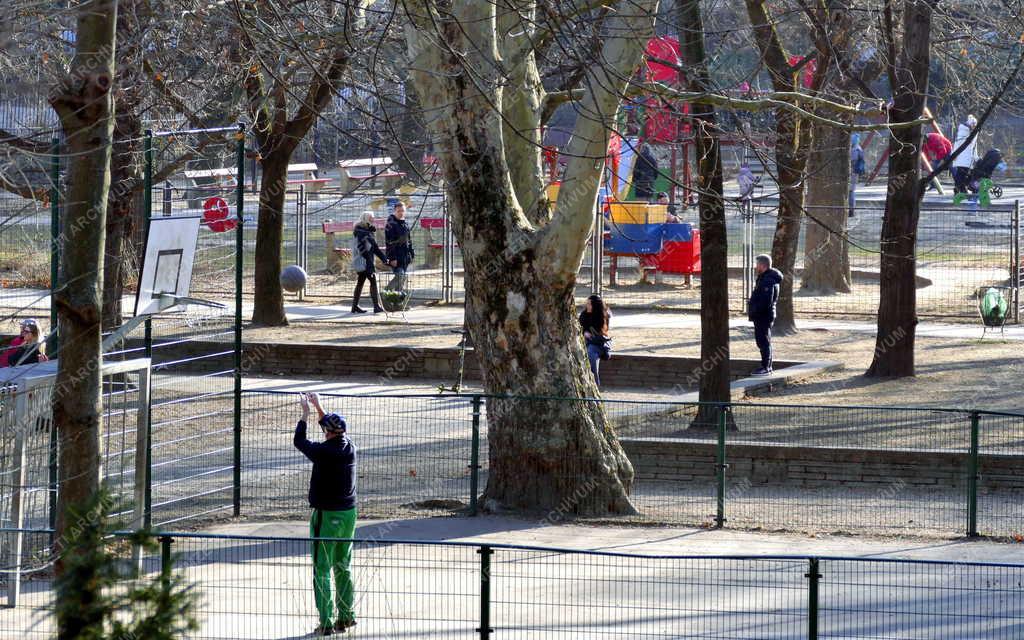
[[714, 291], [122, 212], [270, 309], [897, 307], [561, 456], [826, 251], [124, 200], [278, 136], [84, 105], [791, 141]]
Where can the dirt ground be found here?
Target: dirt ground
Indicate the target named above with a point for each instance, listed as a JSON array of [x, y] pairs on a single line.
[[957, 373]]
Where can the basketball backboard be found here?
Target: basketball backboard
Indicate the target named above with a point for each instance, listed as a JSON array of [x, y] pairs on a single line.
[[167, 265]]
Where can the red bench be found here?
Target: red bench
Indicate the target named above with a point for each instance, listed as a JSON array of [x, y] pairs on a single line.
[[434, 246], [337, 257]]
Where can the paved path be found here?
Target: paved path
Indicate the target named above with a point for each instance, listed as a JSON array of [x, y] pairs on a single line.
[[36, 302], [453, 315]]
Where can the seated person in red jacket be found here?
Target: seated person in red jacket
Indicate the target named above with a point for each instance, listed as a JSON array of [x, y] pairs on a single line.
[[25, 349]]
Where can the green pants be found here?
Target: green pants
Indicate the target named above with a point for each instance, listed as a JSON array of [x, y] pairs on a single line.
[[333, 558]]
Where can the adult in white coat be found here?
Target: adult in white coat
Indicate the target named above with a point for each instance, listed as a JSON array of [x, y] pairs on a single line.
[[963, 161]]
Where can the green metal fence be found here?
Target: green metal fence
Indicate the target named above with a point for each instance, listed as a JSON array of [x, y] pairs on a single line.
[[807, 468], [260, 587], [823, 469]]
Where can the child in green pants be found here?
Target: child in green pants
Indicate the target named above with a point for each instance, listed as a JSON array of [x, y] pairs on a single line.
[[332, 495]]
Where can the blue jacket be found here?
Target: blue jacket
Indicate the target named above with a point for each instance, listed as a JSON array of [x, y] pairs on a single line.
[[332, 485], [764, 297]]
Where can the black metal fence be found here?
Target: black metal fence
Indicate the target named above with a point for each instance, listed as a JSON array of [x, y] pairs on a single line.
[[260, 587]]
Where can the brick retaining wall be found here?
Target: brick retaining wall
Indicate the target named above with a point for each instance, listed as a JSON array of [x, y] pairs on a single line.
[[318, 359], [674, 460]]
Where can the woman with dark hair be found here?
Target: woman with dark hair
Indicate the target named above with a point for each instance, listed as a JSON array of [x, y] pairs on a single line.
[[594, 322]]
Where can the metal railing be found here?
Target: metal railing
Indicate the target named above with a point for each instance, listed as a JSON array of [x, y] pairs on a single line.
[[260, 587], [878, 470], [808, 468]]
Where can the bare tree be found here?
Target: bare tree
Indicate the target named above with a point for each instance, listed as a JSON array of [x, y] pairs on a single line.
[[792, 142], [84, 103], [478, 82], [714, 292], [908, 68], [288, 85]]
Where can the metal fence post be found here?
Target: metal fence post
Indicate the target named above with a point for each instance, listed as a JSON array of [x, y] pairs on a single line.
[[300, 208], [447, 257], [813, 577], [597, 252], [236, 481], [972, 479], [474, 458], [54, 238], [721, 466], [1016, 268], [147, 214], [165, 562], [485, 629]]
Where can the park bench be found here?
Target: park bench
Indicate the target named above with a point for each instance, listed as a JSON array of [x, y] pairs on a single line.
[[203, 183], [307, 173], [358, 172], [338, 258], [434, 245]]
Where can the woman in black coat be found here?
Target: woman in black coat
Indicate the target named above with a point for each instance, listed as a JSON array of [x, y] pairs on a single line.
[[398, 247], [594, 321], [366, 246]]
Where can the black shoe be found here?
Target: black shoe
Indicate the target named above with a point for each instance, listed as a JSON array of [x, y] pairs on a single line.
[[760, 371], [341, 626], [323, 630], [378, 309], [358, 310]]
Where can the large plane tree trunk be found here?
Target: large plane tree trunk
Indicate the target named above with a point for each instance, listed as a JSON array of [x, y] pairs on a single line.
[[521, 259], [84, 105], [897, 306], [826, 252]]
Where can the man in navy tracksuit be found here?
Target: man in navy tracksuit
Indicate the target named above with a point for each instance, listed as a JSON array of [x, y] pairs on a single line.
[[761, 309], [332, 495]]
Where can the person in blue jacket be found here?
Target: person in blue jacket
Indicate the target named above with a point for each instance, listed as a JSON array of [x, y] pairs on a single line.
[[761, 309], [332, 496]]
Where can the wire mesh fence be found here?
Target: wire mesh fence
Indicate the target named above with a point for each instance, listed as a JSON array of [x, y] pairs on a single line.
[[961, 251], [24, 251], [260, 587], [414, 452], [867, 469]]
